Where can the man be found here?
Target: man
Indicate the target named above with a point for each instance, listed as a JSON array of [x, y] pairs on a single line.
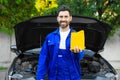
[[56, 59]]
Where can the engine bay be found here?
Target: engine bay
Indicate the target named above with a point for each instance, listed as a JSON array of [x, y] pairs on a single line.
[[93, 68], [25, 68]]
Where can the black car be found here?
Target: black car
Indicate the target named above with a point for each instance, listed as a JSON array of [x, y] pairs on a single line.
[[30, 35]]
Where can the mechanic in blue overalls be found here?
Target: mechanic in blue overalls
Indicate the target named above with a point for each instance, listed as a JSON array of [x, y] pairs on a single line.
[[56, 59]]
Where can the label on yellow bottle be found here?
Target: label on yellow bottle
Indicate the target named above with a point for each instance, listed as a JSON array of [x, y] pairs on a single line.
[[77, 40]]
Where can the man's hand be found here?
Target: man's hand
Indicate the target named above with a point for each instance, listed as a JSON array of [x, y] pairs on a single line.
[[76, 50]]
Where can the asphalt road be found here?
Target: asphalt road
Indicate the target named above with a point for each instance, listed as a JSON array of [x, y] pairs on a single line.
[[2, 75]]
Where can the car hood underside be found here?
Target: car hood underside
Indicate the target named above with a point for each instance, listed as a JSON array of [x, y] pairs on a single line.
[[31, 33]]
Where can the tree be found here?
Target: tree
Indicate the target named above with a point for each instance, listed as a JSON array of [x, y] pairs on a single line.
[[104, 10], [15, 11], [46, 7], [109, 12]]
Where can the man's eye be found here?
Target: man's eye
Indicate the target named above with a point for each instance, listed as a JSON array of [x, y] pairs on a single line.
[[61, 16], [66, 16]]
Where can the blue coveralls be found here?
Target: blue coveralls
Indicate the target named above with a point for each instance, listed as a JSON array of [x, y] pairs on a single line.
[[63, 67], [58, 63]]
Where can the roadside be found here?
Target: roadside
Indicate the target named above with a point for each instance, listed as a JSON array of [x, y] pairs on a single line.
[[2, 74]]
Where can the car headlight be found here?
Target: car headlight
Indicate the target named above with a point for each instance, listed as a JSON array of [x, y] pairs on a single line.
[[16, 77], [110, 76]]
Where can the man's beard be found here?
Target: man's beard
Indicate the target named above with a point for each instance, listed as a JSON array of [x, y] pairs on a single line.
[[63, 25]]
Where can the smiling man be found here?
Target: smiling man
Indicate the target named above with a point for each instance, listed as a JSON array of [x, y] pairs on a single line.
[[56, 59]]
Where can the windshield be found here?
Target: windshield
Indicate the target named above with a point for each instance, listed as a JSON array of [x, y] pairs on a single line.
[[33, 51], [88, 52]]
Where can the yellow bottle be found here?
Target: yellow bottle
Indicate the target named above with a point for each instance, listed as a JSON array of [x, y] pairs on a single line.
[[77, 40]]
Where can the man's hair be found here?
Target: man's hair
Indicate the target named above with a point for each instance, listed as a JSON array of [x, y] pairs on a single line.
[[64, 8]]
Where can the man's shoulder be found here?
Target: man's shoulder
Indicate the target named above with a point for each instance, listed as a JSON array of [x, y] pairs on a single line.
[[52, 33]]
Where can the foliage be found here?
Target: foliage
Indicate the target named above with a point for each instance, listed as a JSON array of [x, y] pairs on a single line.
[[104, 10], [46, 7], [78, 7], [3, 68], [15, 11], [109, 12]]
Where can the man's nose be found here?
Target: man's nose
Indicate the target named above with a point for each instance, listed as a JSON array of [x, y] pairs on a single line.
[[63, 19]]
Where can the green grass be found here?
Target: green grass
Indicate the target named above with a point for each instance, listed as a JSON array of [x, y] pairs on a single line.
[[3, 68]]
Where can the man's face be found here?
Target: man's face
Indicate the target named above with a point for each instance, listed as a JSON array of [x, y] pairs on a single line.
[[64, 19]]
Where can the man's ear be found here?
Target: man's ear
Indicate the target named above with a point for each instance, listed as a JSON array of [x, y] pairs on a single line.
[[70, 18], [57, 18]]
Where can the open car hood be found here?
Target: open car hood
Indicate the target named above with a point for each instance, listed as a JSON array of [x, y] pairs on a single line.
[[31, 33]]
